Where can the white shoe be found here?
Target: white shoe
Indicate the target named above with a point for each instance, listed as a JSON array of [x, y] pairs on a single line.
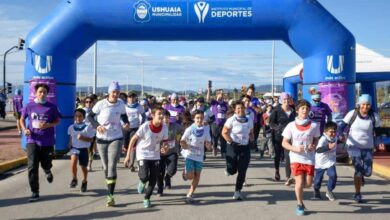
[[238, 196], [189, 198]]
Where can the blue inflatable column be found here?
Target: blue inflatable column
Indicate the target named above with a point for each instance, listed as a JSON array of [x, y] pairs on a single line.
[[291, 88], [370, 88]]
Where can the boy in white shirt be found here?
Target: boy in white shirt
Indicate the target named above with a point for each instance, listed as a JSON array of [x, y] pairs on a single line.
[[150, 141], [193, 141], [80, 138], [326, 161], [300, 137]]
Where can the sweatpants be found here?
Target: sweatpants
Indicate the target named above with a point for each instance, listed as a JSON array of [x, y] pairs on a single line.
[[237, 161], [167, 169], [38, 154], [319, 175], [148, 172]]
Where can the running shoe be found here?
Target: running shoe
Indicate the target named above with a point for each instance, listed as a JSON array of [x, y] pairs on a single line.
[[73, 183], [238, 196], [49, 177], [89, 168], [261, 155], [189, 198], [184, 175], [300, 210], [83, 186], [168, 182], [110, 201], [277, 176], [147, 203], [289, 181], [330, 195], [34, 197], [132, 169], [358, 198], [141, 187], [317, 194], [227, 173]]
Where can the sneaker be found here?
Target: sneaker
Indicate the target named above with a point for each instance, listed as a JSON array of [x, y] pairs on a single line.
[[358, 198], [159, 194], [110, 201], [215, 153], [261, 155], [300, 210], [168, 182], [49, 177], [227, 173], [317, 194], [34, 197], [277, 176], [190, 198], [132, 169], [73, 183], [83, 186], [89, 168], [184, 176], [330, 195], [238, 196], [289, 181], [141, 187], [147, 203]]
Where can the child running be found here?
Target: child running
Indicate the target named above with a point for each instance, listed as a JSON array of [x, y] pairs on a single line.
[[80, 138], [147, 141], [326, 161], [300, 137], [193, 141]]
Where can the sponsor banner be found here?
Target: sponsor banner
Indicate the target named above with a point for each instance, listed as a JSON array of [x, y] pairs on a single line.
[[335, 66], [51, 97], [335, 95], [220, 12], [159, 12]]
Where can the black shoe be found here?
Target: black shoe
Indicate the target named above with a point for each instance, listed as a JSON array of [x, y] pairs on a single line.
[[34, 197], [317, 194], [168, 182], [277, 176], [49, 177], [83, 186], [73, 183]]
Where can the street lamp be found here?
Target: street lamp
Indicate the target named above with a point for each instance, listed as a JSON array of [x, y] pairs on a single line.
[[20, 47]]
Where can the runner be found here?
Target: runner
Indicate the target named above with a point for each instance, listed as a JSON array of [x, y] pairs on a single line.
[[267, 132], [279, 118], [193, 141], [300, 137], [256, 105], [80, 137], [42, 117], [151, 140], [219, 108], [17, 102], [168, 162], [320, 111], [136, 116], [175, 110], [109, 112], [89, 102], [361, 122], [238, 132]]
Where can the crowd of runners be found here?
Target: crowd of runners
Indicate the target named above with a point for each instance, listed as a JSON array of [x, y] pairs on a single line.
[[152, 136]]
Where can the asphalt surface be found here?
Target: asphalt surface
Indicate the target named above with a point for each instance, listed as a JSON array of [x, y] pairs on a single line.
[[265, 199]]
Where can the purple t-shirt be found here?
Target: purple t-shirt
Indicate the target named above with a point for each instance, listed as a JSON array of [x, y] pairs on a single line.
[[219, 111], [37, 113], [175, 113], [319, 113], [17, 101]]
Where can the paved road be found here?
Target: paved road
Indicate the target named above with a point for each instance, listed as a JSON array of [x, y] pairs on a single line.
[[265, 199]]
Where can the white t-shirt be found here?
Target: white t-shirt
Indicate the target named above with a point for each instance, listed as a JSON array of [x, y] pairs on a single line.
[[88, 131], [134, 115], [109, 115], [149, 143], [326, 159], [360, 134], [239, 132], [297, 138], [195, 138]]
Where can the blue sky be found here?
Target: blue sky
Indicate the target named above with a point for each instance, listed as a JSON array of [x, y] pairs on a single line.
[[190, 64]]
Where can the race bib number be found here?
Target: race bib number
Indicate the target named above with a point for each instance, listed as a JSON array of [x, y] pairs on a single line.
[[220, 115], [173, 113], [35, 123]]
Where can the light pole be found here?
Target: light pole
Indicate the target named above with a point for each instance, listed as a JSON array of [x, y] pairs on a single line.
[[94, 69], [143, 79], [273, 68], [4, 60]]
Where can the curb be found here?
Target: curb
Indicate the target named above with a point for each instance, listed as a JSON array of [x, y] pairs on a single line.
[[381, 170], [7, 128], [9, 165]]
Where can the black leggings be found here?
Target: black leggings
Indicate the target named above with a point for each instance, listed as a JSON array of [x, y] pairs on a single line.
[[217, 135], [35, 155], [168, 163], [237, 160], [148, 172], [278, 153]]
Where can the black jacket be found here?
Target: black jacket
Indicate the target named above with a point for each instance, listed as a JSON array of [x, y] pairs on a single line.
[[278, 121]]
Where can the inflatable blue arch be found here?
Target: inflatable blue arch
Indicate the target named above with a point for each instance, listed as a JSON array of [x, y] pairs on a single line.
[[53, 47]]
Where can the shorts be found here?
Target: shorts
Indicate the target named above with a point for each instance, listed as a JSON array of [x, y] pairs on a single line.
[[17, 115], [193, 166], [298, 169], [362, 161], [82, 155]]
